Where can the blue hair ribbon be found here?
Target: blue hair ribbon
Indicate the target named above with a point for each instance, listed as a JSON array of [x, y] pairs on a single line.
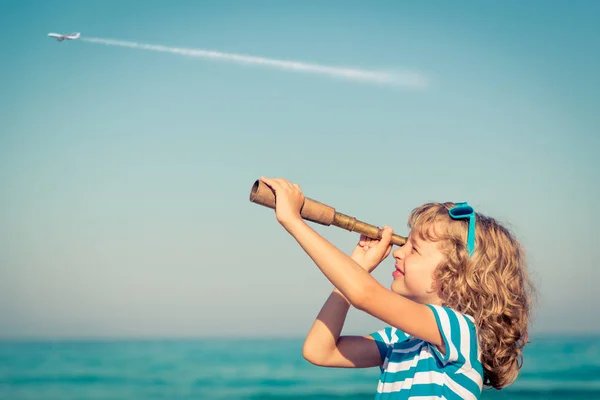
[[465, 211]]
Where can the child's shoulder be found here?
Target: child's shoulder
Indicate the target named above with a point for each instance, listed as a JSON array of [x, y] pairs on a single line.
[[450, 317], [459, 334], [458, 331], [406, 357]]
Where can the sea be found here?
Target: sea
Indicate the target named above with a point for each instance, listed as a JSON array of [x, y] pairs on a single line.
[[555, 367]]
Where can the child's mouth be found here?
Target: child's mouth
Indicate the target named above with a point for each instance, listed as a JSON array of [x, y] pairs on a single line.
[[397, 272]]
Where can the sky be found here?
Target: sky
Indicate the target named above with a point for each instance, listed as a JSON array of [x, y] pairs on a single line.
[[125, 173]]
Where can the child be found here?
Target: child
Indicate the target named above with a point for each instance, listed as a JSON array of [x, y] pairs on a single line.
[[458, 307]]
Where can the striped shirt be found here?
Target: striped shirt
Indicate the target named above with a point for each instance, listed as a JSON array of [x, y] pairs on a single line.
[[415, 369]]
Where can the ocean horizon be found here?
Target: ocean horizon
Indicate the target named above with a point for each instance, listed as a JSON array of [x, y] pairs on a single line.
[[555, 366]]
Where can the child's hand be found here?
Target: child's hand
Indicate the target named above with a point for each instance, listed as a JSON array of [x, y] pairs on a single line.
[[288, 199], [369, 253]]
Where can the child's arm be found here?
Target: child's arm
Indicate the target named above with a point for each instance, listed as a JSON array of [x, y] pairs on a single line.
[[363, 291], [356, 284], [325, 347]]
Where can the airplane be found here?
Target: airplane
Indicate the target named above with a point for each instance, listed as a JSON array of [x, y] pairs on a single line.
[[60, 38]]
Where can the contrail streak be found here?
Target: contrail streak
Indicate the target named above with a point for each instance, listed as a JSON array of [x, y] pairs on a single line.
[[407, 79]]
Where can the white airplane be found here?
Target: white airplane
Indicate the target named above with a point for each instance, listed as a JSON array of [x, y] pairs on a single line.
[[60, 38]]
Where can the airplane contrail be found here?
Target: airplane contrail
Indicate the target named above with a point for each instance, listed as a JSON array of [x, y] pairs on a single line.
[[407, 79]]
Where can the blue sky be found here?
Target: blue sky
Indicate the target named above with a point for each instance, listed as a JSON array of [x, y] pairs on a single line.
[[125, 173]]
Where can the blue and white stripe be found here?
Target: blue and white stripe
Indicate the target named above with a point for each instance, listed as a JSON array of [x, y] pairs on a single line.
[[415, 369]]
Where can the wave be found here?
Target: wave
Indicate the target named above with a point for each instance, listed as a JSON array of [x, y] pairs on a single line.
[[574, 373], [80, 379]]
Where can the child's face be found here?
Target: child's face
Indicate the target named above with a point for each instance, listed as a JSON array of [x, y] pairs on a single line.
[[415, 263]]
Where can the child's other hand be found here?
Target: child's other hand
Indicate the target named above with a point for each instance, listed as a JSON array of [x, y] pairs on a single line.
[[369, 253], [288, 199]]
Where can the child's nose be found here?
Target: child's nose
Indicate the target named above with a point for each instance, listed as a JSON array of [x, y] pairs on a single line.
[[399, 252]]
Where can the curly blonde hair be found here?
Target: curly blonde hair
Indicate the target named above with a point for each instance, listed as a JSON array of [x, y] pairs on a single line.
[[492, 285]]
